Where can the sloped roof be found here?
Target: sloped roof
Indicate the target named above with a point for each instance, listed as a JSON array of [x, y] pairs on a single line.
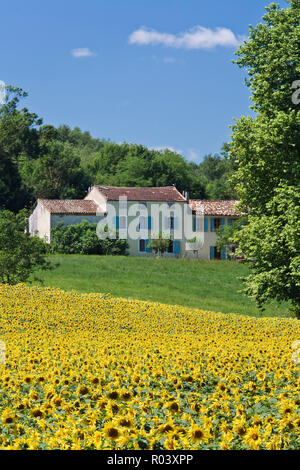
[[70, 206], [160, 194], [225, 208]]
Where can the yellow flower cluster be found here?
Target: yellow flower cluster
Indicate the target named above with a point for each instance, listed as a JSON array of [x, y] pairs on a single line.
[[96, 372]]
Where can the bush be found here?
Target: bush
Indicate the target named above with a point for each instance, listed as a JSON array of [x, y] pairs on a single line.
[[82, 239], [20, 254]]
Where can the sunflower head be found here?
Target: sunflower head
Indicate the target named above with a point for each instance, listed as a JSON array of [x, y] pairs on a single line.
[[111, 431]]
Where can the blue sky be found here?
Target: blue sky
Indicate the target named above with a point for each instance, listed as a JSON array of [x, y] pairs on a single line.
[[152, 72]]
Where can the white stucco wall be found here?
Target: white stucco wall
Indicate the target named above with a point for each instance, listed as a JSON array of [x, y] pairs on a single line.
[[39, 222], [134, 243], [98, 197], [210, 239]]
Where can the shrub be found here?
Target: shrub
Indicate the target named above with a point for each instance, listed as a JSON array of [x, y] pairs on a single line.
[[20, 254], [82, 239]]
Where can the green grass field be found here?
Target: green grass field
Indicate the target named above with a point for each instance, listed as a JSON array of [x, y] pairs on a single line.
[[208, 285]]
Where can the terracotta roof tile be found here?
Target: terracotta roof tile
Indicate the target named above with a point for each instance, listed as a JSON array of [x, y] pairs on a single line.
[[160, 194], [225, 208], [70, 206]]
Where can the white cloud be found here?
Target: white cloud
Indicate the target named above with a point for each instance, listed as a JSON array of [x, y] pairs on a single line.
[[82, 52], [166, 147], [193, 155], [197, 37]]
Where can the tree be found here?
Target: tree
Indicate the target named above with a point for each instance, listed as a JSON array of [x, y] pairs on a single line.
[[18, 136], [56, 174], [82, 238], [266, 152], [136, 165], [213, 176], [159, 244], [20, 254], [273, 240], [227, 236]]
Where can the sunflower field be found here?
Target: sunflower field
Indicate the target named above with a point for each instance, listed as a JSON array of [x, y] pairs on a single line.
[[89, 371]]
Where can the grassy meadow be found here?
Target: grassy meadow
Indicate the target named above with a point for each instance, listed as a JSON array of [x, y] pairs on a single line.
[[208, 285]]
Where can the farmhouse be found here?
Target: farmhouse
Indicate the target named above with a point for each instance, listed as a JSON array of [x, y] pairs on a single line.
[[216, 214], [139, 214]]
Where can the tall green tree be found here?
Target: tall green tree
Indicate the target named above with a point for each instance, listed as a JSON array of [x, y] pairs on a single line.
[[273, 240], [20, 254], [56, 174], [266, 151], [213, 175], [18, 138]]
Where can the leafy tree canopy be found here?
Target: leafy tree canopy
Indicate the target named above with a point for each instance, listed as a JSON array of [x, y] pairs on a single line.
[[266, 154], [20, 254]]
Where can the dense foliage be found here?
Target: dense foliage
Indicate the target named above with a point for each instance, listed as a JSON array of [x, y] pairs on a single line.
[[266, 151], [96, 372], [82, 239], [20, 254], [39, 160], [159, 244], [273, 241]]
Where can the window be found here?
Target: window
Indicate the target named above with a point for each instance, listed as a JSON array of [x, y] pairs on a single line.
[[216, 253], [142, 246], [171, 247], [122, 222], [142, 206], [142, 222], [217, 222]]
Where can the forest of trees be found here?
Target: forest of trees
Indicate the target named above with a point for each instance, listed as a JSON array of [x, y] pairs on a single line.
[[38, 160]]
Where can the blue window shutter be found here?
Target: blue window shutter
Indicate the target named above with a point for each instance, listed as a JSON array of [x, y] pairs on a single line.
[[149, 222], [148, 249], [205, 224], [194, 224], [229, 222], [222, 223], [212, 252], [175, 223], [116, 221], [212, 224], [223, 253], [176, 245]]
